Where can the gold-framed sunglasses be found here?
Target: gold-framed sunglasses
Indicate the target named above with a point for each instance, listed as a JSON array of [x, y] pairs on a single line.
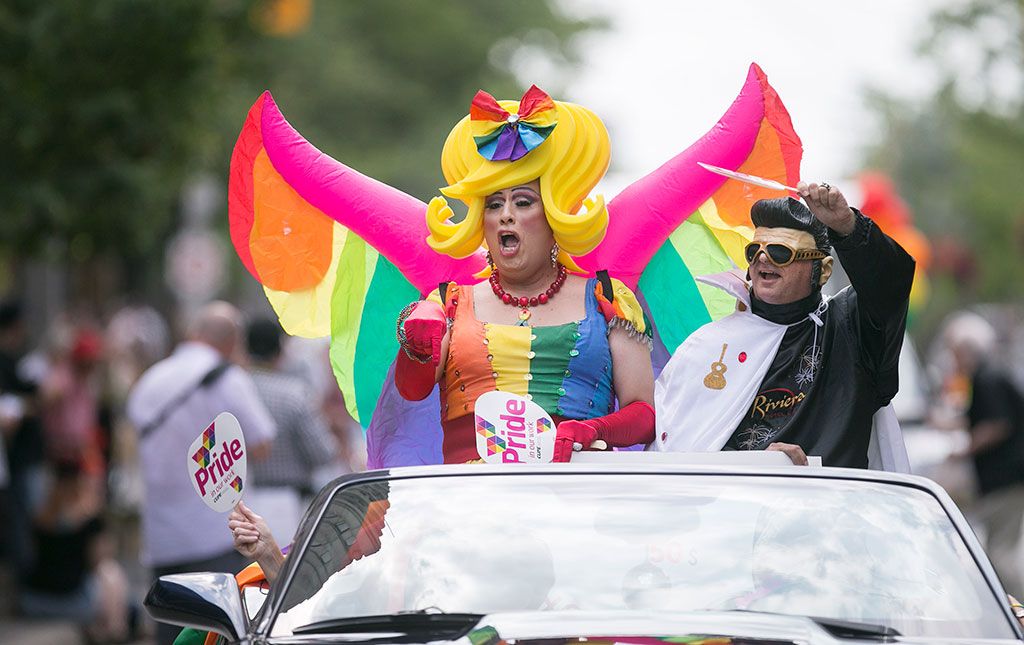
[[780, 254]]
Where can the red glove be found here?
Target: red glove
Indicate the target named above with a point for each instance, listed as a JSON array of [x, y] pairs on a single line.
[[572, 432], [631, 425], [424, 329]]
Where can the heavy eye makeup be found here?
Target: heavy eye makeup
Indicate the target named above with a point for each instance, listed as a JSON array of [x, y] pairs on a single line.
[[523, 198]]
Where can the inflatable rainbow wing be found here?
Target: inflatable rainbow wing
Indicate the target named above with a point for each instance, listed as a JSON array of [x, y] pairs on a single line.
[[682, 221], [339, 253], [882, 203], [332, 248]]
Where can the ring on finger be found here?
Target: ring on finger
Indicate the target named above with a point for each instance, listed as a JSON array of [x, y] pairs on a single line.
[[826, 186]]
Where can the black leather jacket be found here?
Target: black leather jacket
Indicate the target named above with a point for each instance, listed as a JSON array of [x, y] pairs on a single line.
[[820, 393]]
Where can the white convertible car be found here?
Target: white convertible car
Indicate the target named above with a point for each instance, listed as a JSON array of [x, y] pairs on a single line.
[[618, 551]]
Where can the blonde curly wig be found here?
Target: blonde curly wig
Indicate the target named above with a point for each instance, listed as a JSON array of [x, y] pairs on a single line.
[[569, 164]]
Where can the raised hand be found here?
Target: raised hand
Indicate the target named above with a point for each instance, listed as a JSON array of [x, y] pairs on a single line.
[[828, 205], [253, 539], [424, 329]]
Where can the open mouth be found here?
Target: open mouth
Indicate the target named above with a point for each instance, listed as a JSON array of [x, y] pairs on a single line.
[[508, 243], [767, 275]]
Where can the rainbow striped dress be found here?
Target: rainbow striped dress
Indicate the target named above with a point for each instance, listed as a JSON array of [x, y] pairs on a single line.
[[565, 369]]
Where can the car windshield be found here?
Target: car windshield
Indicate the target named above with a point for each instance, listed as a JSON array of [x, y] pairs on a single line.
[[854, 550]]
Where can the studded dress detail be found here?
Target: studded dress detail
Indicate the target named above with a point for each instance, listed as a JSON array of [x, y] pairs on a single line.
[[565, 369]]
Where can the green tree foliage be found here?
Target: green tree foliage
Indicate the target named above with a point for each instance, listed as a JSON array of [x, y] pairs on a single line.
[[109, 106], [958, 157], [103, 110]]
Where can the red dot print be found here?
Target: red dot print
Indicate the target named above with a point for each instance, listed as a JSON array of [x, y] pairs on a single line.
[[743, 357]]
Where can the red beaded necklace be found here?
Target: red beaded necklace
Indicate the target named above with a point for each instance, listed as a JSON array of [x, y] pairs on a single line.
[[523, 302]]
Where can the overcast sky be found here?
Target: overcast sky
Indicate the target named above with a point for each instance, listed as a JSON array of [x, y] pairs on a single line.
[[693, 56]]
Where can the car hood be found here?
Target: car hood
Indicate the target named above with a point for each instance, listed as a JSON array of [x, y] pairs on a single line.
[[652, 628]]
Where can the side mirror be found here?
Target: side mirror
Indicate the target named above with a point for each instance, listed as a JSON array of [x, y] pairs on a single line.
[[209, 601]]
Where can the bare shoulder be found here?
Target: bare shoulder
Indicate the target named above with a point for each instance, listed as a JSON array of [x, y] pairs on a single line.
[[575, 284]]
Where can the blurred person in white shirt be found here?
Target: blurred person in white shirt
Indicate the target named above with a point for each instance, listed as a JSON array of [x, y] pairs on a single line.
[[171, 404]]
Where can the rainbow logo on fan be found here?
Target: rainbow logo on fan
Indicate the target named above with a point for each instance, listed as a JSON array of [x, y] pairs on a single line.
[[485, 429], [543, 425], [208, 438], [202, 456], [236, 483]]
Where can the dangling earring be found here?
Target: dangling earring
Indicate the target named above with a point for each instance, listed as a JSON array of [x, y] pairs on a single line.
[[490, 260], [554, 255]]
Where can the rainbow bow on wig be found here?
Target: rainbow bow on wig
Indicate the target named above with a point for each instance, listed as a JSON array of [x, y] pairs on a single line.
[[501, 136]]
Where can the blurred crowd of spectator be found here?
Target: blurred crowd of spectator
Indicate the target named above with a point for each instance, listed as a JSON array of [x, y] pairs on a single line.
[[72, 486], [979, 395]]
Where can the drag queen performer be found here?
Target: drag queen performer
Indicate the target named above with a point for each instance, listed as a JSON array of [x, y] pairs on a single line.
[[339, 253], [575, 346]]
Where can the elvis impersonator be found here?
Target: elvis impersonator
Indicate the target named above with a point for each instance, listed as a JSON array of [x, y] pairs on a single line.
[[792, 370]]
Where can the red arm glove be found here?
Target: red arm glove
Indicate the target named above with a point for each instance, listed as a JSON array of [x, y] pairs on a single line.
[[420, 339], [631, 425], [424, 328]]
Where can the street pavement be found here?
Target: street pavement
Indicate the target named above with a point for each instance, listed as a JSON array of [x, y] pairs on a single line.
[[23, 631], [34, 632]]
